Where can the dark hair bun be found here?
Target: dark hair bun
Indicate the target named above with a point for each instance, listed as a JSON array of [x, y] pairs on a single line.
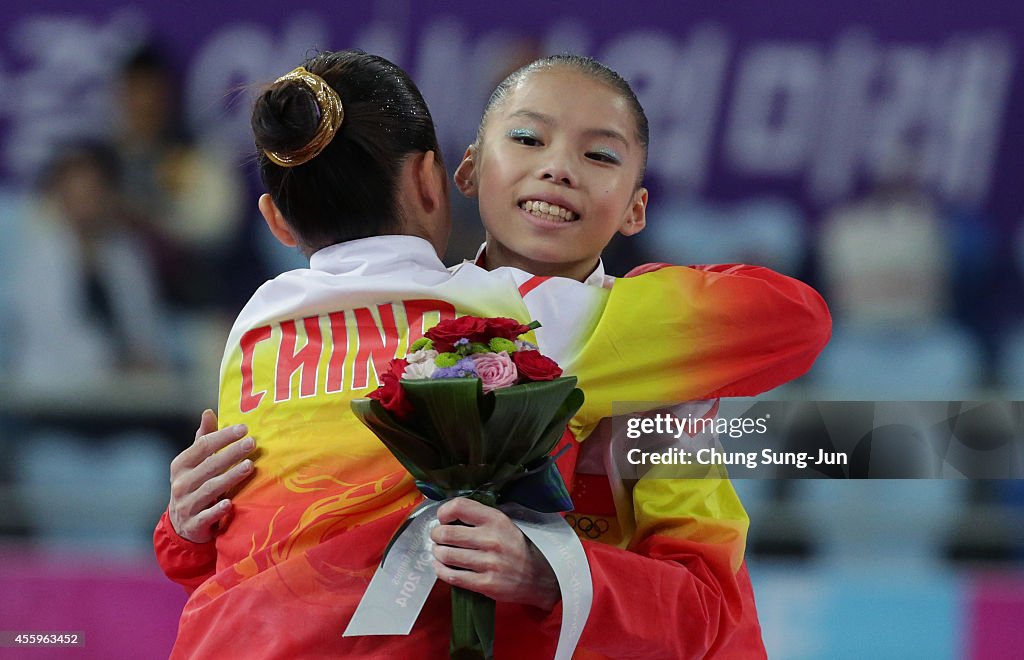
[[349, 189], [285, 117]]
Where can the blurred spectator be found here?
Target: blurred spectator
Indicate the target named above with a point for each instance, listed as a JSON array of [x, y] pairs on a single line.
[[189, 195], [86, 294], [886, 259], [887, 264]]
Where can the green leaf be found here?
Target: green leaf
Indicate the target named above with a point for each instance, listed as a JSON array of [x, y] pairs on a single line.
[[521, 417], [461, 440], [417, 454], [549, 437], [460, 477], [470, 477], [472, 636], [447, 410]]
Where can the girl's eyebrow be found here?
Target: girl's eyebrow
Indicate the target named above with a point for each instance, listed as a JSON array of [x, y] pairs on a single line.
[[542, 118]]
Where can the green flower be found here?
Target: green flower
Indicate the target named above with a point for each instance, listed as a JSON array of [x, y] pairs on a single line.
[[447, 359], [499, 344], [477, 347], [421, 344]]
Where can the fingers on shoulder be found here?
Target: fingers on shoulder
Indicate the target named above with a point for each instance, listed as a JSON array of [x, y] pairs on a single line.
[[210, 443], [207, 423], [197, 528]]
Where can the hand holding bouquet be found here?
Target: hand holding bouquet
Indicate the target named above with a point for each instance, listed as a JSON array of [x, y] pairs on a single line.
[[473, 410]]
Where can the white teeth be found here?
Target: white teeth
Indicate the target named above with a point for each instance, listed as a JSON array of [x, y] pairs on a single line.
[[548, 211]]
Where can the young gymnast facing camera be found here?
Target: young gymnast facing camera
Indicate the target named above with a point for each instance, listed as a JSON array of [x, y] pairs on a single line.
[[310, 524]]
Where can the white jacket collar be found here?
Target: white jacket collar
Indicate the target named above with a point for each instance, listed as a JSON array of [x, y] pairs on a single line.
[[596, 278], [377, 255]]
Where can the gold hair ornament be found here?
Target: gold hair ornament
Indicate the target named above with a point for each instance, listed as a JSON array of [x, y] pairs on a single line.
[[331, 115]]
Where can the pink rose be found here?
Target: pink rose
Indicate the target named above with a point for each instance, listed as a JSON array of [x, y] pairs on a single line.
[[495, 370]]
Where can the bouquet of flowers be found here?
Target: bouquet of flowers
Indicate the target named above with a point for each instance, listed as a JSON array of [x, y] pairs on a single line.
[[473, 410]]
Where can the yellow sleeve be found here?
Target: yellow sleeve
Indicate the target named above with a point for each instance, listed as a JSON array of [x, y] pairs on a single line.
[[687, 333]]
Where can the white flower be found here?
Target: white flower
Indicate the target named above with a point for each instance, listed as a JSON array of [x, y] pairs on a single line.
[[420, 370], [425, 355]]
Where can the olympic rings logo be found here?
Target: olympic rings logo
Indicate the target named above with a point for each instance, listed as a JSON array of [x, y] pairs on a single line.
[[587, 526]]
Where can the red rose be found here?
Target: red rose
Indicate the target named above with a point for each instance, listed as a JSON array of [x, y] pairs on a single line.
[[446, 333], [505, 328], [534, 366], [397, 367], [390, 393]]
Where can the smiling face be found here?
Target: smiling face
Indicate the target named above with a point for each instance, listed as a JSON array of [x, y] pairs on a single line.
[[556, 172]]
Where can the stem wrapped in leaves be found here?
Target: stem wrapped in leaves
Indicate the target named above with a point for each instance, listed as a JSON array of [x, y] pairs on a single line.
[[489, 447]]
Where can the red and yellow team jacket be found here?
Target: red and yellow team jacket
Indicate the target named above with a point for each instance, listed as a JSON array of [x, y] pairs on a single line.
[[309, 528]]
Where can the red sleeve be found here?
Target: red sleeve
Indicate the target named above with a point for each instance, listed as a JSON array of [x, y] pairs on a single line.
[[187, 563], [667, 599], [689, 540], [746, 640]]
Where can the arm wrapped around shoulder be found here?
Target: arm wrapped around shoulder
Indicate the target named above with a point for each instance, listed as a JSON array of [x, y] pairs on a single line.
[[677, 333], [788, 317]]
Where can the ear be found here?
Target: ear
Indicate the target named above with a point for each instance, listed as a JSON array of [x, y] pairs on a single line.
[[431, 182], [636, 216], [276, 222], [465, 174]]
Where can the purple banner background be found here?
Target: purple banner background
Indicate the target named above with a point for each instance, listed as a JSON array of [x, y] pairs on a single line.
[[745, 98]]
